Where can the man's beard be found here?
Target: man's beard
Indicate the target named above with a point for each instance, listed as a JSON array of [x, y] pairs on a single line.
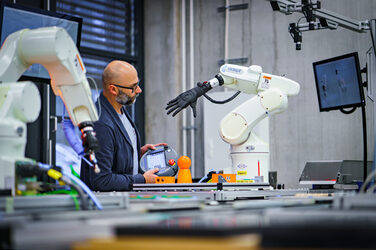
[[123, 99]]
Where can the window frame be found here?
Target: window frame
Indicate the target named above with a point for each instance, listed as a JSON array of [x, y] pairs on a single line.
[[138, 109]]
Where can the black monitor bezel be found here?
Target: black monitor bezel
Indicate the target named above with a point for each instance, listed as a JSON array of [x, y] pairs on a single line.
[[357, 65]]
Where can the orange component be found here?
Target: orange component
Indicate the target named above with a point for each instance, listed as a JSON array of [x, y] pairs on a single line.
[[79, 60], [171, 162], [267, 77], [184, 162], [164, 179], [227, 177], [184, 175]]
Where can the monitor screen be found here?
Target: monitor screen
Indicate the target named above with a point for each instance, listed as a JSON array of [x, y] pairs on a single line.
[[15, 17], [338, 82], [156, 160]]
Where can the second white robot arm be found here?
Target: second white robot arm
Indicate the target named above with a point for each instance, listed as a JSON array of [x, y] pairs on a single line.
[[271, 98]]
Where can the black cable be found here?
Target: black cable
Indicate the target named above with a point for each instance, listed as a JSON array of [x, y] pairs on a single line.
[[348, 111], [297, 24], [364, 121], [224, 101]]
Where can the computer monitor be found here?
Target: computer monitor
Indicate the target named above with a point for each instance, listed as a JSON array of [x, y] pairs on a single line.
[[15, 17], [338, 82]]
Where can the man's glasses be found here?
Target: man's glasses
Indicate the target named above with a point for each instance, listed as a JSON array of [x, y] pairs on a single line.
[[124, 87]]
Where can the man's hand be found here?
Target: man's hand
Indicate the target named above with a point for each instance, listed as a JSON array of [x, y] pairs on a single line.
[[150, 175], [146, 147]]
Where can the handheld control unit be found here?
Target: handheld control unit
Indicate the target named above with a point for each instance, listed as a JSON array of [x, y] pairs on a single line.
[[164, 158]]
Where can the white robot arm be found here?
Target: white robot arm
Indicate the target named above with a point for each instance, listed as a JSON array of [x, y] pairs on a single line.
[[271, 98], [54, 49], [247, 150], [250, 154]]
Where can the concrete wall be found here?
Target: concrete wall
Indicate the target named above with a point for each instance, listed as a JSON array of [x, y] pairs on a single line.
[[298, 135], [162, 64]]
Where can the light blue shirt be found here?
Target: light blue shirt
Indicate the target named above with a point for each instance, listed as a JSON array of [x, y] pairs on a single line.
[[132, 135]]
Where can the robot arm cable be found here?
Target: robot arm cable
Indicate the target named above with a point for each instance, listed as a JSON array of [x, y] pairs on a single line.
[[78, 183], [31, 168], [224, 101]]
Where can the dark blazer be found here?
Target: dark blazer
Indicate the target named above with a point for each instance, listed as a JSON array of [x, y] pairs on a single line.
[[115, 155]]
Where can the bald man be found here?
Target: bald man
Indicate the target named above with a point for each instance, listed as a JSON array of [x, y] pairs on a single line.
[[119, 153]]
